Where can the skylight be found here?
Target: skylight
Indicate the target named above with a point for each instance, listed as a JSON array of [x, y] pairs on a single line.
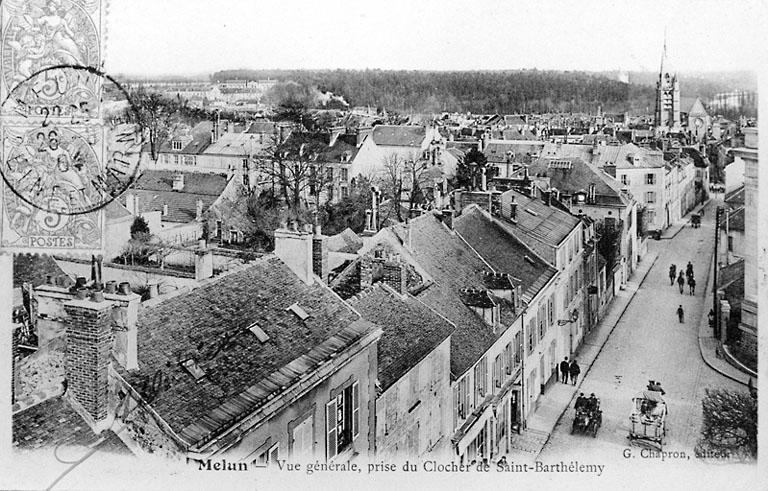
[[193, 369], [560, 164], [531, 212], [300, 313], [259, 333]]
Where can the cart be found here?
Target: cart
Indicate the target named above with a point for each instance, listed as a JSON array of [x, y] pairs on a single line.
[[647, 419], [587, 420], [696, 220]]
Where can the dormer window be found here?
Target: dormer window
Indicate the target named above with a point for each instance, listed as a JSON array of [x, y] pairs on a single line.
[[259, 333], [176, 144], [192, 368], [298, 312]]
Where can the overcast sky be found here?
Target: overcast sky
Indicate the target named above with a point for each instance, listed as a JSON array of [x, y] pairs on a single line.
[[197, 36]]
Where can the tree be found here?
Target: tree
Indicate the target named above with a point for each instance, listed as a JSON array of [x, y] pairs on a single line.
[[608, 245], [348, 212], [403, 180], [729, 424], [469, 169], [296, 165], [157, 115], [139, 226]]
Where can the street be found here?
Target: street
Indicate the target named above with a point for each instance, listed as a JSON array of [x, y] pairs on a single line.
[[650, 344]]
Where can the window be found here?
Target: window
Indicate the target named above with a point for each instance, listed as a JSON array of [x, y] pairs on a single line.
[[245, 165], [481, 374], [329, 173], [342, 414], [624, 180], [651, 214], [344, 175], [497, 372], [509, 360], [176, 144], [531, 335], [730, 243], [542, 319], [175, 160], [551, 308], [650, 179], [650, 197], [268, 456], [330, 192], [518, 346], [344, 192]]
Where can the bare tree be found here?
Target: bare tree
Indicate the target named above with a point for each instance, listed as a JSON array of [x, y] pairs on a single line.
[[403, 180], [158, 116], [297, 166]]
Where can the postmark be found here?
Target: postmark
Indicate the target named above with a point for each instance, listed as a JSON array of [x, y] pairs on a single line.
[[71, 143]]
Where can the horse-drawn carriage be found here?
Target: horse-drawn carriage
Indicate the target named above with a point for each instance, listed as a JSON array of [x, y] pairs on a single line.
[[588, 417], [696, 220], [648, 418]]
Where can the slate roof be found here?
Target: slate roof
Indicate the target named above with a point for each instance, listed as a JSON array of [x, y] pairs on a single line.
[[547, 223], [54, 422], [578, 178], [155, 189], [262, 127], [399, 136], [496, 151], [453, 266], [211, 326], [34, 269], [201, 139], [730, 274], [411, 330], [505, 253], [116, 211]]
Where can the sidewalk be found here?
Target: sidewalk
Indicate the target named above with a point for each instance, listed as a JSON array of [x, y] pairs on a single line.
[[710, 346], [674, 229], [553, 404]]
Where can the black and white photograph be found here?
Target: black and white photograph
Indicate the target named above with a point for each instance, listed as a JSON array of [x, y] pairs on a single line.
[[351, 244]]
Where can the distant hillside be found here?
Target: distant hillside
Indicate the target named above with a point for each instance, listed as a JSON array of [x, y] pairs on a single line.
[[477, 92]]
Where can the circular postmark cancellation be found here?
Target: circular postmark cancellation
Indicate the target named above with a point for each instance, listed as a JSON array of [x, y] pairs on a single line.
[[74, 142]]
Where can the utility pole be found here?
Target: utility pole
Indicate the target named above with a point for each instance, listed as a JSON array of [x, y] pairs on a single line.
[[716, 324]]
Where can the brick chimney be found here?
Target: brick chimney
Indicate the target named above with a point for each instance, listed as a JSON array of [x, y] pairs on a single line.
[[199, 210], [178, 182], [395, 275], [86, 361], [294, 248]]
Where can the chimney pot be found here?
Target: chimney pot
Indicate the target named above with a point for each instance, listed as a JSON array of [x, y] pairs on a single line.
[[97, 297], [125, 288], [81, 282], [153, 290], [110, 287], [49, 279], [81, 293]]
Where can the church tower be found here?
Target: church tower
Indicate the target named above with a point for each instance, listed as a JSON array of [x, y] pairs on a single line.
[[667, 95]]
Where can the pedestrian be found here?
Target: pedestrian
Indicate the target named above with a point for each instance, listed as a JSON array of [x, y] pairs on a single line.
[[672, 274], [681, 282], [574, 371], [681, 314], [564, 370], [692, 285], [689, 270]]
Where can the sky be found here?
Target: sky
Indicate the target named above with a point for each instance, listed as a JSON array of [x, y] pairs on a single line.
[[185, 37]]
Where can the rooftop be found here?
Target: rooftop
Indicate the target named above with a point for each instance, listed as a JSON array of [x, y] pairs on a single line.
[[399, 136], [155, 189], [505, 253], [212, 327], [537, 219], [54, 422], [571, 174], [735, 197], [411, 331]]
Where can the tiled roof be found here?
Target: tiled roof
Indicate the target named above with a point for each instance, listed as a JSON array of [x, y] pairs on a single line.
[[578, 177], [411, 330], [34, 268], [536, 219], [496, 151], [211, 326], [399, 136], [735, 197], [239, 144], [155, 189], [505, 253], [55, 422], [453, 266]]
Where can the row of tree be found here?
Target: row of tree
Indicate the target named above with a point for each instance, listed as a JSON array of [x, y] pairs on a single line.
[[477, 92]]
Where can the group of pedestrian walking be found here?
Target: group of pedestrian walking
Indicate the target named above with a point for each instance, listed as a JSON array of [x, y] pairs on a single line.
[[571, 369], [683, 278]]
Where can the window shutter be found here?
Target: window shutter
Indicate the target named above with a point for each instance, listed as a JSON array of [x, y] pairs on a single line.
[[355, 409], [330, 428]]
